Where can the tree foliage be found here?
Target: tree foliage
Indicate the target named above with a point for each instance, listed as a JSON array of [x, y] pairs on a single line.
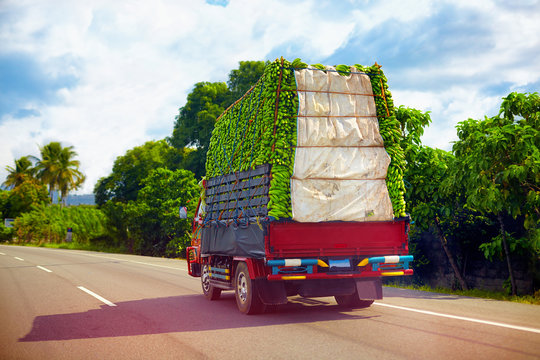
[[23, 169], [412, 122], [499, 159], [153, 218], [205, 103], [49, 223], [59, 169], [195, 121], [23, 197], [243, 78], [498, 164], [430, 204], [125, 181]]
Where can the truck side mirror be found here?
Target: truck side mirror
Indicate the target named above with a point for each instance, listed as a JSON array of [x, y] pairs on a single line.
[[183, 212]]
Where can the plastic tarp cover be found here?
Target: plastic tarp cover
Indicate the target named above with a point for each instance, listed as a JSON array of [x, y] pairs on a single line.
[[242, 240], [340, 163]]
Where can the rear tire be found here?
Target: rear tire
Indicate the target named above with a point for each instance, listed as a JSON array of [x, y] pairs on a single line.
[[353, 301], [246, 292], [210, 292]]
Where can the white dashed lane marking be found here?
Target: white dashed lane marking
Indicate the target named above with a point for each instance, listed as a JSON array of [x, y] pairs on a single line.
[[100, 298]]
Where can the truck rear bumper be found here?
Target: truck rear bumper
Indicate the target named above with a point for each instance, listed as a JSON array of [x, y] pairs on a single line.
[[369, 267], [365, 274]]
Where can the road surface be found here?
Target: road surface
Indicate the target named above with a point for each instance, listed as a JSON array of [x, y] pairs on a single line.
[[62, 304]]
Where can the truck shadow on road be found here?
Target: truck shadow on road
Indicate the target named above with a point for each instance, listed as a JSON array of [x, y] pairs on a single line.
[[174, 314]]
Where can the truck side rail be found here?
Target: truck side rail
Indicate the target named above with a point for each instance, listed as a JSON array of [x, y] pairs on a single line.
[[243, 194]]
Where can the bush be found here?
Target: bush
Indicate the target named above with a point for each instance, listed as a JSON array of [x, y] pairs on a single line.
[[6, 234], [50, 224]]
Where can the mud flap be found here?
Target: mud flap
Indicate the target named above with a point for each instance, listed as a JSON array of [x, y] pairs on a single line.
[[272, 292], [369, 289], [326, 287]]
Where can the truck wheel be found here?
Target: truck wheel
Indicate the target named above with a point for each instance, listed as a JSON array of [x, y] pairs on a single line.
[[246, 292], [353, 301], [210, 292]]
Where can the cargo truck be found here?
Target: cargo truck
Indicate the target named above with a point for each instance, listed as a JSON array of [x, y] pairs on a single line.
[[310, 213]]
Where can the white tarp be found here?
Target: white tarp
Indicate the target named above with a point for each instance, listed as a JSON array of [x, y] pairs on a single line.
[[343, 163], [340, 162], [342, 200]]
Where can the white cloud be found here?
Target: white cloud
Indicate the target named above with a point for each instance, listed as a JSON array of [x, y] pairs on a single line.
[[135, 62], [447, 108]]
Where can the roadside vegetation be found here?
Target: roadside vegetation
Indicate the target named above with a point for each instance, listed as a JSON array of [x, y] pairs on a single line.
[[482, 197], [533, 299]]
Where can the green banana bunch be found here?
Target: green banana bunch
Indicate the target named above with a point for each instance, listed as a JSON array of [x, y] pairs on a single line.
[[260, 128]]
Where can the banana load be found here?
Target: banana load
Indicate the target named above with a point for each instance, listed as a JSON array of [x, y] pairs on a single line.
[[261, 128]]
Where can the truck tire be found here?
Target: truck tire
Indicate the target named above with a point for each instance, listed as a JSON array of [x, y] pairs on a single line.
[[353, 301], [210, 292], [246, 292]]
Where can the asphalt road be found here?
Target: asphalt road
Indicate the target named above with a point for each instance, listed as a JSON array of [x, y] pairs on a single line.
[[61, 304]]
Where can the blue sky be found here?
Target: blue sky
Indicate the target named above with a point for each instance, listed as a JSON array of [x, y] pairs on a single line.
[[106, 76]]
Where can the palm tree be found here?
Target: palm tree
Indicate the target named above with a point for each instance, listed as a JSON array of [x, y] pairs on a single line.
[[58, 169], [23, 170], [69, 176]]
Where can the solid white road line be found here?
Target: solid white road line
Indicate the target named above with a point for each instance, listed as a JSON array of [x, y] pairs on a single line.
[[18, 258], [44, 269], [485, 322], [156, 265], [136, 262], [1, 253], [102, 299]]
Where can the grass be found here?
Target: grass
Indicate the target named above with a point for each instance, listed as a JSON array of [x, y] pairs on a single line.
[[76, 246], [484, 294]]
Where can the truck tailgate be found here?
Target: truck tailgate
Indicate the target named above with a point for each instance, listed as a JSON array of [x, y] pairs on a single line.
[[294, 239]]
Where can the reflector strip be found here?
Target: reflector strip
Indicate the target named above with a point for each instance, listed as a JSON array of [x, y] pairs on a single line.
[[391, 259], [321, 263], [293, 277], [363, 262], [392, 273], [293, 262]]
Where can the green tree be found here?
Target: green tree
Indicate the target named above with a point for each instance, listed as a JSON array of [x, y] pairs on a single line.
[[153, 217], [430, 204], [117, 223], [23, 169], [195, 121], [243, 78], [498, 163], [5, 233], [129, 170], [412, 123], [69, 176], [206, 102], [23, 197], [59, 169]]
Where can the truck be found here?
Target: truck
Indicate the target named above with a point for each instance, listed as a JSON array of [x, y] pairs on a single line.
[[307, 198]]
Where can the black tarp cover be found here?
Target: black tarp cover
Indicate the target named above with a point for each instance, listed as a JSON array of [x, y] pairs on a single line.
[[233, 240]]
